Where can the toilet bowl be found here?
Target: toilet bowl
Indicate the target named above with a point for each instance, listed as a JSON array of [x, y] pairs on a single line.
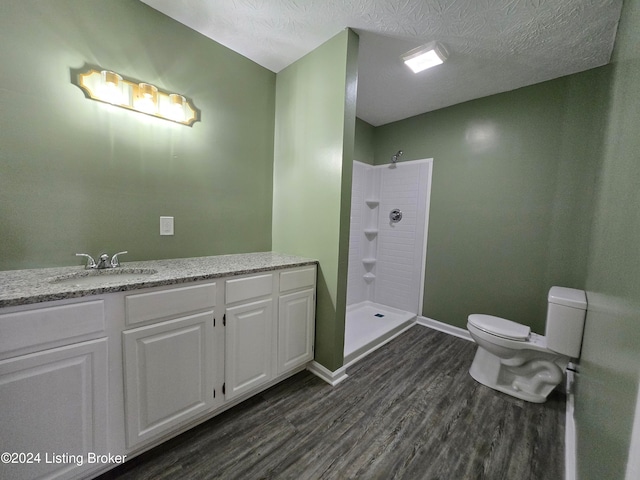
[[513, 360]]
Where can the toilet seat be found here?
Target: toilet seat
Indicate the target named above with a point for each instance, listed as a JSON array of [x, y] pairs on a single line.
[[500, 327]]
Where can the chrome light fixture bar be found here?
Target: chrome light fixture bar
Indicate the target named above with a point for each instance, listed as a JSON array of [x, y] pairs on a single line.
[[425, 56], [110, 87]]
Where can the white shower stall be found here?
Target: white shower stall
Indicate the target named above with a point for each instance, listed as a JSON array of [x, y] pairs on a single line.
[[387, 251]]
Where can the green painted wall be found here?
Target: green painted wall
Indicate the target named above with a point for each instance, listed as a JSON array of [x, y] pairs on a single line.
[[365, 142], [314, 148], [81, 176], [512, 195], [607, 385]]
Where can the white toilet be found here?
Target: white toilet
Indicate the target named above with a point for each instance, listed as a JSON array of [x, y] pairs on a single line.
[[512, 359]]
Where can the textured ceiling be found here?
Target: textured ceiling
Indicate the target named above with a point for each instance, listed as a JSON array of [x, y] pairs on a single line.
[[494, 45]]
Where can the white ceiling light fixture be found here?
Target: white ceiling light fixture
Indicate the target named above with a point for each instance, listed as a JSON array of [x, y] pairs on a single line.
[[425, 56]]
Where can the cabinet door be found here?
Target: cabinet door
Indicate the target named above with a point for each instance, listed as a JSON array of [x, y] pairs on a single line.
[[169, 374], [54, 402], [249, 347], [295, 329]]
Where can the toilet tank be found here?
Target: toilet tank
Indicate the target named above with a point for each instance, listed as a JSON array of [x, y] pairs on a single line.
[[565, 320]]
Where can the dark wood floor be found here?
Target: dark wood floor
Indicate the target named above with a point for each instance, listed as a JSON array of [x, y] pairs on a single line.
[[409, 411]]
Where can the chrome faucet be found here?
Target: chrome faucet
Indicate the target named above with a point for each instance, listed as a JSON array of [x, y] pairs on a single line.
[[104, 261]]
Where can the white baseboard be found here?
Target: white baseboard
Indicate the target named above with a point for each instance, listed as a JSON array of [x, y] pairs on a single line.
[[570, 470], [444, 327], [332, 378]]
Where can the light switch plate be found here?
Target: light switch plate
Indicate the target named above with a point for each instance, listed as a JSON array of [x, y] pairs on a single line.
[[166, 225]]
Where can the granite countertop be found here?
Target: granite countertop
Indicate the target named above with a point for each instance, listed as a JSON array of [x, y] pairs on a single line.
[[23, 287]]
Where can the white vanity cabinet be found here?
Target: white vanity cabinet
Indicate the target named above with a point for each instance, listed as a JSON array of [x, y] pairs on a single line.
[[53, 389], [170, 368], [250, 338], [190, 350], [296, 318], [117, 373], [270, 324]]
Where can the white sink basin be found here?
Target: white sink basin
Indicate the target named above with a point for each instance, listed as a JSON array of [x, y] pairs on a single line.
[[103, 277]]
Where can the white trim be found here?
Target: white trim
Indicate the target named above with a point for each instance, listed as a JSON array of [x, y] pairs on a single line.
[[332, 378], [427, 208], [444, 327], [570, 471]]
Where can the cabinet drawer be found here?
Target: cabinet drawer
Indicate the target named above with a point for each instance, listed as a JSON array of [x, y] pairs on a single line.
[[143, 307], [43, 327], [241, 289], [300, 278]]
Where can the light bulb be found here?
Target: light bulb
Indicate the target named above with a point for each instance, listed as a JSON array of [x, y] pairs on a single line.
[[110, 89], [147, 100], [176, 107]]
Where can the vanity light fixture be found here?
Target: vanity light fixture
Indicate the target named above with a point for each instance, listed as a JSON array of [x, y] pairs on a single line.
[[425, 56], [111, 87]]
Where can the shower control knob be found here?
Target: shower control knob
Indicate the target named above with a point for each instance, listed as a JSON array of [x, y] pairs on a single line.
[[395, 215]]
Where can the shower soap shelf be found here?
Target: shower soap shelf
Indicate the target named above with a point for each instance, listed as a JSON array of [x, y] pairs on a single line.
[[369, 261], [369, 277], [370, 231], [372, 203]]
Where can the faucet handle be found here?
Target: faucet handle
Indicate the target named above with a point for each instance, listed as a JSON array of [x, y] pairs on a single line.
[[91, 263], [114, 260]]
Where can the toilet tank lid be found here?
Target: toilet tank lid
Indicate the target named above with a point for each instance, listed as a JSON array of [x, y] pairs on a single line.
[[569, 297], [500, 327]]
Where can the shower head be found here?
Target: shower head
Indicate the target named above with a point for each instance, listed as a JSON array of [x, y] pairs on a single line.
[[395, 158]]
